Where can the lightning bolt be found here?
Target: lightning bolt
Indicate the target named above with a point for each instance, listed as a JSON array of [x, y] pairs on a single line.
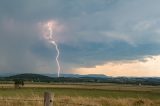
[[52, 41]]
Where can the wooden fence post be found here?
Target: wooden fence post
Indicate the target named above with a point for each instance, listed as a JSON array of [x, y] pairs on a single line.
[[48, 99]]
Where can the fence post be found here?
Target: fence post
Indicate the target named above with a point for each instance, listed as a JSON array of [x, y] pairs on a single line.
[[48, 99]]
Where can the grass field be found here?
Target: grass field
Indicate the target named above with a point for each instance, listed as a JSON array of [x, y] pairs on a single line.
[[81, 94]]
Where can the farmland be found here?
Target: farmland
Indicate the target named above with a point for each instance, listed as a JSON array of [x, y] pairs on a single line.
[[94, 94]]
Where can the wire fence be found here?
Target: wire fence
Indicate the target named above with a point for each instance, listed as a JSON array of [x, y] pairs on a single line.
[[21, 100], [75, 104], [42, 100]]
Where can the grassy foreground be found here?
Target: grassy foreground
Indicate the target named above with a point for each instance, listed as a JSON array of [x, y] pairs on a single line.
[[81, 95], [82, 101]]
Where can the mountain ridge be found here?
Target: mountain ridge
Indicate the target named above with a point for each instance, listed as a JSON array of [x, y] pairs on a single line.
[[82, 78]]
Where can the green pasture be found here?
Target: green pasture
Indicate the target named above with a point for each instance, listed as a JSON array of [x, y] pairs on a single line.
[[85, 90]]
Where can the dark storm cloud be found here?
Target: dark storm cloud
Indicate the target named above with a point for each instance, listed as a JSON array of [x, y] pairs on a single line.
[[39, 9], [90, 54], [97, 31]]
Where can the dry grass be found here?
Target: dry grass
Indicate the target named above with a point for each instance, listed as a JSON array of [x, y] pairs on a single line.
[[81, 95], [109, 101], [78, 101], [101, 86]]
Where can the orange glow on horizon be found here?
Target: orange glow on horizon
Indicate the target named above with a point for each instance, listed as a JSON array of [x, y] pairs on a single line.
[[149, 67]]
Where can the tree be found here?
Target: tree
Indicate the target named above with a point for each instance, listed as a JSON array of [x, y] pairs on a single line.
[[18, 83]]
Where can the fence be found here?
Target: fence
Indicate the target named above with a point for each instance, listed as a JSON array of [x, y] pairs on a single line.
[[48, 100]]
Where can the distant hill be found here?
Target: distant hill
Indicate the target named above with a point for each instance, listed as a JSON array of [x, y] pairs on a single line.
[[77, 75], [53, 75], [95, 76], [83, 78], [29, 77]]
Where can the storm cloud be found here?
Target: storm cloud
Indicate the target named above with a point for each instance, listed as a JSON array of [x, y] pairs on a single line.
[[94, 32]]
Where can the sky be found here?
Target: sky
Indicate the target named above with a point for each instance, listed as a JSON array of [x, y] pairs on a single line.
[[111, 37]]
